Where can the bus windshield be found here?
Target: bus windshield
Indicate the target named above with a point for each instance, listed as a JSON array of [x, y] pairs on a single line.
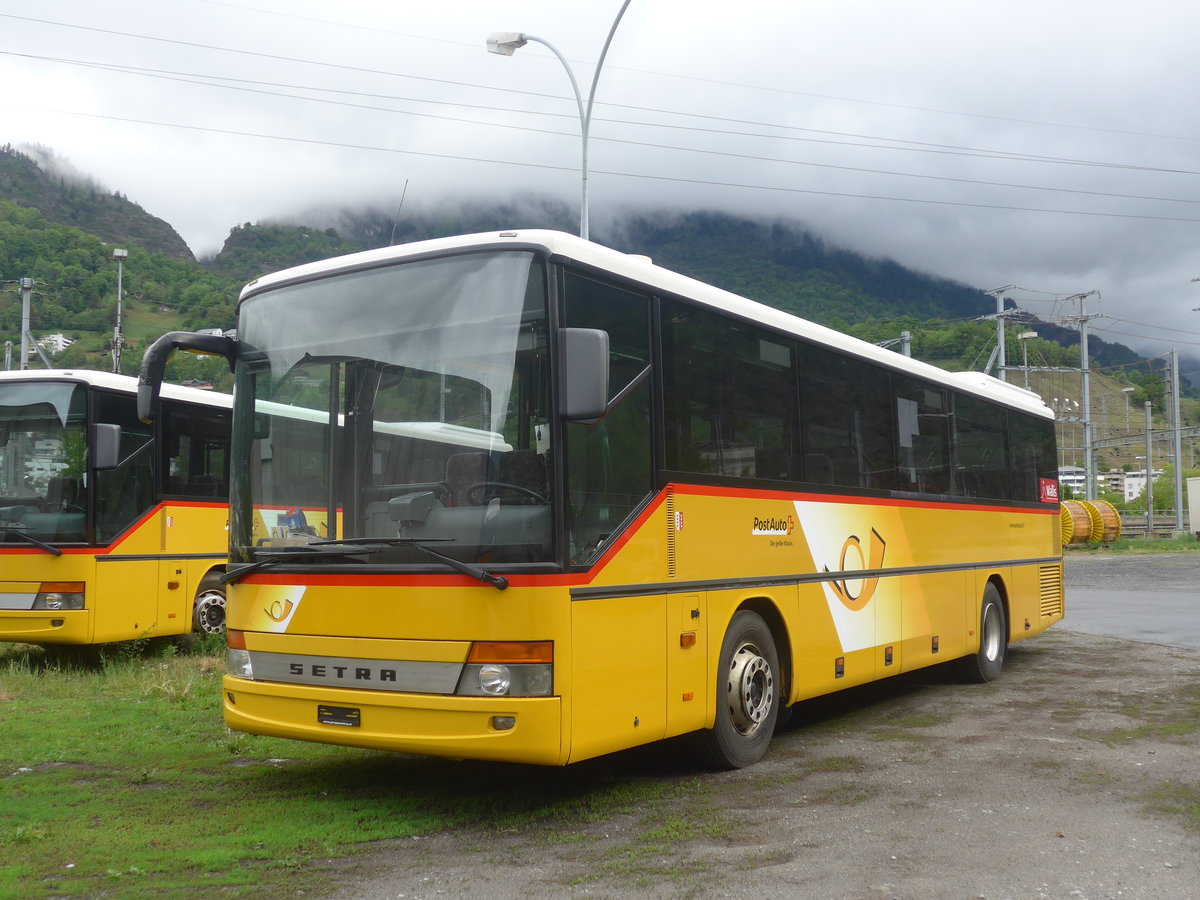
[[43, 449], [404, 404]]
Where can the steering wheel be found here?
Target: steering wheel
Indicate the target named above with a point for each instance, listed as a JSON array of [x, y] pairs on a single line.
[[475, 492]]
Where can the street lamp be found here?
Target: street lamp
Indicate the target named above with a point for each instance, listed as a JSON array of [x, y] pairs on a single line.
[[120, 256], [1024, 337], [505, 43]]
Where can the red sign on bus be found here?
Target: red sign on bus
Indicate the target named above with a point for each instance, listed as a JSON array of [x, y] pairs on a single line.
[[1048, 488]]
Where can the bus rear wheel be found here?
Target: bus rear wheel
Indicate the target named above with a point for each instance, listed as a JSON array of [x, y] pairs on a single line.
[[747, 695], [986, 663], [208, 611]]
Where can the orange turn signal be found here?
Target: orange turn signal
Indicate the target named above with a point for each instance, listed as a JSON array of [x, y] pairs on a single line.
[[511, 652]]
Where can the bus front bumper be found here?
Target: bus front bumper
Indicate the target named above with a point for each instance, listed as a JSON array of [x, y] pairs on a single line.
[[431, 725], [46, 626]]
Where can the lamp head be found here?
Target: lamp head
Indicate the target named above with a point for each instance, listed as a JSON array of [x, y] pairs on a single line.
[[505, 42], [120, 254]]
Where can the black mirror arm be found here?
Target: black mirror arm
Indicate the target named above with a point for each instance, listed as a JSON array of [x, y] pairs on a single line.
[[154, 363]]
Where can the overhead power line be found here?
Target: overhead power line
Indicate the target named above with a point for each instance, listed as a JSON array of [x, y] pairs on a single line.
[[247, 86]]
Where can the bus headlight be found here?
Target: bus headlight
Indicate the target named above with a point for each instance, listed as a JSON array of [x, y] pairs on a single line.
[[499, 680], [494, 679], [59, 596], [239, 663], [508, 669]]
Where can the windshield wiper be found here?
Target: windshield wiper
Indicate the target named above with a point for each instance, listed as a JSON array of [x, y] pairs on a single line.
[[40, 544], [499, 582], [273, 556]]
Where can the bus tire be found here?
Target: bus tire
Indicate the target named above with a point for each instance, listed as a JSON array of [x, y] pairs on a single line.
[[208, 609], [747, 695], [986, 663]]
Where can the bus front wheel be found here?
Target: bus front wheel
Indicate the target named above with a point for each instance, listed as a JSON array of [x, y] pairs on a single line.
[[986, 663], [747, 695], [208, 612]]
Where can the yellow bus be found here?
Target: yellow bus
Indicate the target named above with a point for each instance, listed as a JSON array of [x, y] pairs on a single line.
[[110, 529], [521, 497]]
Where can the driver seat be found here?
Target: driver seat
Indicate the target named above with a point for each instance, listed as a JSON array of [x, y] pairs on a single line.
[[61, 491], [463, 471]]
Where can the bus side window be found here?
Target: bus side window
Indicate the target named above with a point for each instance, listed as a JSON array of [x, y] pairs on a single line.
[[609, 462], [195, 451], [729, 397], [124, 493], [847, 433]]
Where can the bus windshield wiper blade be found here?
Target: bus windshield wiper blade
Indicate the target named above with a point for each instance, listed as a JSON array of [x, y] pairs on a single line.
[[273, 556], [499, 582], [40, 544]]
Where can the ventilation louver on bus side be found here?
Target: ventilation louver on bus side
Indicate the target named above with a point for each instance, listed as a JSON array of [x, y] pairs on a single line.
[[1050, 585]]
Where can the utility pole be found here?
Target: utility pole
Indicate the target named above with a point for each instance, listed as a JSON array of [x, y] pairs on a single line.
[[1176, 441], [1149, 475], [1089, 466], [998, 293], [26, 297]]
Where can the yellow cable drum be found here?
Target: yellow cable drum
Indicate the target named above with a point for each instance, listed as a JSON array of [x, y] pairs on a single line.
[[1082, 521], [1075, 521], [1110, 520]]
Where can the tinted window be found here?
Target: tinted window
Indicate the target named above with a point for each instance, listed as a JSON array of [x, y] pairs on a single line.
[[981, 449], [195, 451], [847, 421], [923, 419], [729, 396], [1032, 455]]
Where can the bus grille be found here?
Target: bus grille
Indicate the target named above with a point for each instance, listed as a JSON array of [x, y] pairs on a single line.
[[1051, 590]]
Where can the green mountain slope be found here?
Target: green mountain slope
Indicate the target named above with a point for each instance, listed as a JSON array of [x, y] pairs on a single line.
[[81, 204]]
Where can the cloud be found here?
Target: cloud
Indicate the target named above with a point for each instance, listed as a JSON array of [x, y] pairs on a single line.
[[1048, 145]]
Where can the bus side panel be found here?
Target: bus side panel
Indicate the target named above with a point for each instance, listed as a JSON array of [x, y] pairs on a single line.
[[688, 647], [817, 648], [618, 673], [938, 614], [126, 604]]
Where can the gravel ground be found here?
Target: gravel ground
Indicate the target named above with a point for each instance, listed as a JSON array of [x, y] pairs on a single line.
[[1073, 776]]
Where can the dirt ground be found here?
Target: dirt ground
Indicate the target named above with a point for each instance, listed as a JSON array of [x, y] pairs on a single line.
[[1074, 776]]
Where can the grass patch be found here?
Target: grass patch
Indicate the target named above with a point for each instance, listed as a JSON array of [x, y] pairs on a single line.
[[118, 778], [1174, 716], [1184, 543], [1179, 800]]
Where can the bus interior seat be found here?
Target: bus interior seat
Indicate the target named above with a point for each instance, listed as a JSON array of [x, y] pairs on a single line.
[[463, 471], [818, 468], [204, 486], [61, 491], [772, 462], [524, 468]]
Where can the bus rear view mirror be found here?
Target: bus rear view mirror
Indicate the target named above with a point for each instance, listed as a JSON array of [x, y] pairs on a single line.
[[154, 363], [585, 373], [106, 445]]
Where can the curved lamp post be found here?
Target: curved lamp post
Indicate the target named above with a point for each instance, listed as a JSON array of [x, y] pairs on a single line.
[[506, 43]]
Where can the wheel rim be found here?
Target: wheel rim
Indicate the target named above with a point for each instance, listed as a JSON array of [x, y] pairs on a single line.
[[991, 638], [750, 689], [210, 612]]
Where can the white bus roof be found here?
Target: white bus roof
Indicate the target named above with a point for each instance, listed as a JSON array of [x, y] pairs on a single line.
[[126, 384], [642, 270]]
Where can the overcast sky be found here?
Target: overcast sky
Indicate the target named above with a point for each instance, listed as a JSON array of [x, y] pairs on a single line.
[[1048, 144]]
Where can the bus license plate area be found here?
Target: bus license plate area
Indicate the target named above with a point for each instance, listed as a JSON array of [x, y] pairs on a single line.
[[344, 716]]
